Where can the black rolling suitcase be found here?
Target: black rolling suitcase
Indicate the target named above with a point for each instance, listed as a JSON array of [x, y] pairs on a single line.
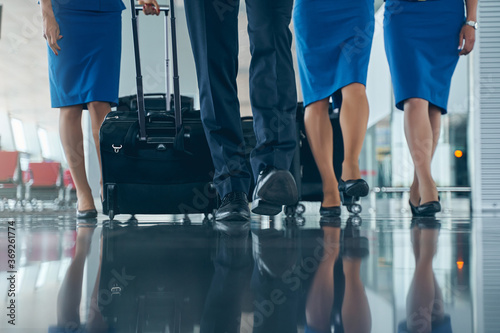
[[156, 162]]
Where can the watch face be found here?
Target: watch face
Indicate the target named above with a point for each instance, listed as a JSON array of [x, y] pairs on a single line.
[[472, 24]]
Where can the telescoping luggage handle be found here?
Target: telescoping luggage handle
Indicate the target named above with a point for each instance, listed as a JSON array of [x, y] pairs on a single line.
[[179, 130]]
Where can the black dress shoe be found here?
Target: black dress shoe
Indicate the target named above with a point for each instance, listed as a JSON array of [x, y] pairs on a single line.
[[428, 209], [234, 207], [274, 189], [354, 188], [86, 214], [329, 211]]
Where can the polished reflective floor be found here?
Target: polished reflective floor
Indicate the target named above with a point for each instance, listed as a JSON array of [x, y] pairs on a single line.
[[382, 272]]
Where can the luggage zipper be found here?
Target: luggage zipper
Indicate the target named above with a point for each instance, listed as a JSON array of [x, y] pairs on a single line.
[[187, 121], [120, 121]]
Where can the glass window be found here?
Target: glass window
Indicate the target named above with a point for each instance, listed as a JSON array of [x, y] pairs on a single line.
[[19, 137], [43, 138]]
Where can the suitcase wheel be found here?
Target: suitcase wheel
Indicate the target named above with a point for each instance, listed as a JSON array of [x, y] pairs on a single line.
[[355, 208], [298, 209], [300, 221], [111, 214]]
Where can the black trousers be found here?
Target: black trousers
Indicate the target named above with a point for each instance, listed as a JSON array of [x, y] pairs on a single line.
[[213, 29]]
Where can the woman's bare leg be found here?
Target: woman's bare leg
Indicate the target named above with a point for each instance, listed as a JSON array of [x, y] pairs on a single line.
[[420, 138], [353, 121], [435, 119], [70, 131], [98, 111], [320, 136]]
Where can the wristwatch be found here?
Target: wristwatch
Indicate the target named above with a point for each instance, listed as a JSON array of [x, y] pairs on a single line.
[[472, 24]]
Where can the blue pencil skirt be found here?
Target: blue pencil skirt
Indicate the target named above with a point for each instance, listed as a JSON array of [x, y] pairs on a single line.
[[333, 42], [87, 68], [421, 43]]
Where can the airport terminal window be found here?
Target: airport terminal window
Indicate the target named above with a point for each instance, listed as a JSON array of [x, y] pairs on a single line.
[[43, 138], [18, 132]]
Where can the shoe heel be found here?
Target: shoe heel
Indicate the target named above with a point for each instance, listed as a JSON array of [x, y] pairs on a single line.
[[346, 199], [350, 202], [262, 207]]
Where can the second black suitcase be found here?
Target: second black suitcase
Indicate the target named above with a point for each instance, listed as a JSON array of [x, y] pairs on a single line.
[[156, 162]]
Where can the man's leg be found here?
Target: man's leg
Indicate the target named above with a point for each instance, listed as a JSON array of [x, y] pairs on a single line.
[[272, 83], [274, 101], [213, 29]]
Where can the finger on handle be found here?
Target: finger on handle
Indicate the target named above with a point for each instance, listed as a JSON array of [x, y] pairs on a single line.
[[461, 41], [465, 50], [157, 7]]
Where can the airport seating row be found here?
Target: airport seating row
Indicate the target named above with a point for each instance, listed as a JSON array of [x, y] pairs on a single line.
[[41, 182]]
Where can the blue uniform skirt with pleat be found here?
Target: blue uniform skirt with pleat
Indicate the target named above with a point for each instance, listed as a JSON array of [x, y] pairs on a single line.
[[421, 43], [87, 68], [333, 42]]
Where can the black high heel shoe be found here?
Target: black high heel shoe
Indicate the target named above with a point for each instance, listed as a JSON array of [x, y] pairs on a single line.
[[428, 209], [86, 214], [413, 209], [351, 191], [354, 187]]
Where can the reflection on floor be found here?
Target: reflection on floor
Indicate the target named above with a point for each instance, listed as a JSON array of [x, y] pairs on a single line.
[[301, 274]]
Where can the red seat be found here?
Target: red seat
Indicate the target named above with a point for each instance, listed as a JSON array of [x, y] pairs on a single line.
[[68, 179], [45, 174], [9, 164]]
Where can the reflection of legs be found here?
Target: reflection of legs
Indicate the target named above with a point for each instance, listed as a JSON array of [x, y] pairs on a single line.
[[422, 293], [70, 293], [435, 119], [98, 110], [275, 304], [353, 121], [222, 310], [438, 307], [415, 240], [320, 137], [320, 297], [95, 321], [70, 131], [356, 315], [420, 138]]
